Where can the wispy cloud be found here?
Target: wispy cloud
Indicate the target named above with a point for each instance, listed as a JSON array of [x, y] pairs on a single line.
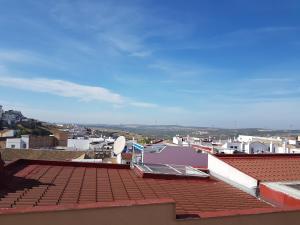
[[185, 70], [70, 89], [239, 37], [144, 104], [17, 56], [250, 35], [9, 57], [127, 28], [115, 26]]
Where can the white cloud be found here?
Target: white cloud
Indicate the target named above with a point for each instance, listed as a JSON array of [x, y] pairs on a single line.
[[144, 104], [70, 89]]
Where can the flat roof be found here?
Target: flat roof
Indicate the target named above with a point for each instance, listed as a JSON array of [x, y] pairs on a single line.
[[177, 155], [179, 171], [14, 154], [266, 167], [37, 183]]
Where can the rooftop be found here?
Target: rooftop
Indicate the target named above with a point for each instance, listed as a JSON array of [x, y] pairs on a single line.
[[177, 155], [266, 167], [14, 154], [34, 183]]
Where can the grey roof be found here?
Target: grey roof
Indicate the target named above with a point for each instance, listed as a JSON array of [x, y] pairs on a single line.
[[178, 156]]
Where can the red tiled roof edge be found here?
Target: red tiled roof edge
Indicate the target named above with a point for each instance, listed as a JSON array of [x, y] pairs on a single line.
[[98, 205], [242, 212], [278, 198], [220, 156], [65, 163]]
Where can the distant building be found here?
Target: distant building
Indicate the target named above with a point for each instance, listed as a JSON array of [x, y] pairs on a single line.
[[31, 141], [78, 144], [19, 143], [181, 141], [62, 137], [2, 142], [42, 142], [7, 133], [86, 143], [12, 116], [1, 112], [254, 145]]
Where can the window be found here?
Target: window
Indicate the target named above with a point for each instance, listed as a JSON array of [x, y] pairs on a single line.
[[13, 146]]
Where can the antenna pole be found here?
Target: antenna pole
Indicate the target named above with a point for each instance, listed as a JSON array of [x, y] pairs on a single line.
[[132, 157], [143, 156]]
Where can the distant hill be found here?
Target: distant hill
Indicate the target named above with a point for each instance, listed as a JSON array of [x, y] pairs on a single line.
[[168, 131]]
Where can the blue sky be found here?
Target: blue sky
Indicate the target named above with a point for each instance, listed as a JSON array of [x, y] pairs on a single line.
[[232, 63]]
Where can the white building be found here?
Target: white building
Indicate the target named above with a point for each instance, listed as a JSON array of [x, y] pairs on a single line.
[[87, 144], [233, 145], [246, 138], [254, 145], [177, 140], [78, 144], [19, 143]]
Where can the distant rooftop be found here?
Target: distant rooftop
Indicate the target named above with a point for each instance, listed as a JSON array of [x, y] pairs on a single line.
[[14, 154]]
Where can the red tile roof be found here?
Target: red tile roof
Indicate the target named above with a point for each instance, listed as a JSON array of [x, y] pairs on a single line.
[[266, 167], [126, 156], [46, 183]]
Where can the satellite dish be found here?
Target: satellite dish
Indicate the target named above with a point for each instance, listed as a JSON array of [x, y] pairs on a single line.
[[119, 145]]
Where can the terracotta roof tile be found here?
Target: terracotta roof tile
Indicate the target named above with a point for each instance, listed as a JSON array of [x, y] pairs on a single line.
[[36, 184], [267, 167]]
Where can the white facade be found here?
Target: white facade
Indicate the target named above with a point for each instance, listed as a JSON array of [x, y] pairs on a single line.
[[8, 133], [109, 140], [246, 138], [292, 142], [254, 145], [231, 175], [19, 143], [96, 139], [78, 144], [177, 140], [233, 146], [88, 144], [181, 141]]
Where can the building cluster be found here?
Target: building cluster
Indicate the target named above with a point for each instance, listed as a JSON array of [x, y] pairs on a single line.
[[90, 143], [242, 144], [10, 117], [9, 140]]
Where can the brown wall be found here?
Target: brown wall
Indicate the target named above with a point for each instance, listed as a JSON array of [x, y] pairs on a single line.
[[42, 142], [155, 214], [2, 144], [62, 137]]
